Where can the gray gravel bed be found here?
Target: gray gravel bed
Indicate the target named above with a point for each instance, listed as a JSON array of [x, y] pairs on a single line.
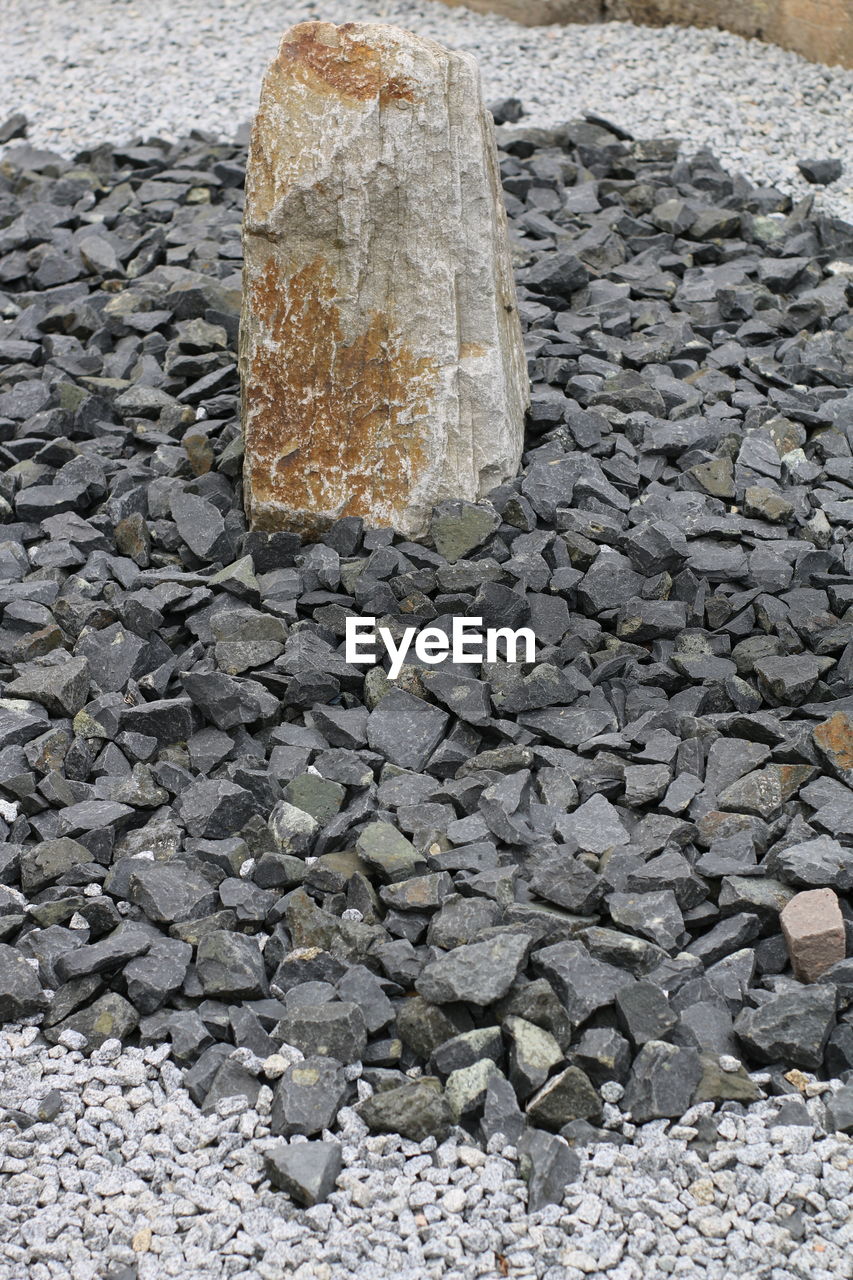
[[86, 70], [128, 1180]]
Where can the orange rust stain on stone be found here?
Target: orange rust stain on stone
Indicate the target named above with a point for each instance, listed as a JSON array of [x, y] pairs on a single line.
[[792, 777], [331, 427], [835, 737], [467, 349], [331, 60]]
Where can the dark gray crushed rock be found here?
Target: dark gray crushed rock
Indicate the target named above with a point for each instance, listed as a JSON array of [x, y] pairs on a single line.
[[498, 889]]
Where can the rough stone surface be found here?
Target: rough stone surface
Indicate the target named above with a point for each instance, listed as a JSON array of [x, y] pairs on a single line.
[[381, 352], [663, 1081], [415, 1110], [793, 1026], [306, 1171], [481, 972], [814, 932]]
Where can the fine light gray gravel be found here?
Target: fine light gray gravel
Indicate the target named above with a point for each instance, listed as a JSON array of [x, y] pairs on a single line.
[[129, 1174], [89, 70]]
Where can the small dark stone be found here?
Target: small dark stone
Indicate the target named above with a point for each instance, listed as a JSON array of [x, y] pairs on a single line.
[[307, 1171], [479, 972], [15, 125], [21, 994], [62, 688], [459, 527], [386, 850], [417, 1111], [839, 1111], [501, 1112], [644, 1013], [570, 1095], [334, 1030], [230, 966], [793, 1110], [561, 273], [548, 1166], [603, 1054], [507, 111], [45, 863], [110, 1017], [533, 1054], [150, 979], [582, 983], [231, 1080], [820, 172], [170, 892], [106, 956], [662, 1082], [468, 1048], [405, 729], [307, 1097], [793, 1026]]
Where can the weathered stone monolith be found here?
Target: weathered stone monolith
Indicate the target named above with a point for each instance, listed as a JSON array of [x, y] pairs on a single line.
[[381, 354]]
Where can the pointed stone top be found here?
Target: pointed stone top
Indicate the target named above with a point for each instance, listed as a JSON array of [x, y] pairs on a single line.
[[347, 61]]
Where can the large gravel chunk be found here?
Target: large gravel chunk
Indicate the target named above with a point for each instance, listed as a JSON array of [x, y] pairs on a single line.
[[583, 983], [228, 702], [213, 809], [388, 852], [110, 1017], [201, 526], [170, 892], [480, 972], [839, 1111], [106, 955], [548, 1165], [334, 1030], [417, 1111], [62, 688], [793, 1026], [662, 1082], [46, 862], [21, 994], [307, 1097], [567, 1096], [230, 966], [533, 1053], [822, 862], [307, 1171], [406, 730]]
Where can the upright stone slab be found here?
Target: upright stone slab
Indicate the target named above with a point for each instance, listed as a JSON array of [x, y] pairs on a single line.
[[381, 353]]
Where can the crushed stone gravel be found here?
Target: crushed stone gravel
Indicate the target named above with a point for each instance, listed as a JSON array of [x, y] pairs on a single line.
[[128, 1181], [108, 1167]]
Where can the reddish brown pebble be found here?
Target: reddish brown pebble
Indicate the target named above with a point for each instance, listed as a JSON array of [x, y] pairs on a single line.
[[814, 932], [834, 740]]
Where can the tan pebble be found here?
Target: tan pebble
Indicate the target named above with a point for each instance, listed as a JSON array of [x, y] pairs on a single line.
[[141, 1242], [797, 1079], [702, 1191]]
